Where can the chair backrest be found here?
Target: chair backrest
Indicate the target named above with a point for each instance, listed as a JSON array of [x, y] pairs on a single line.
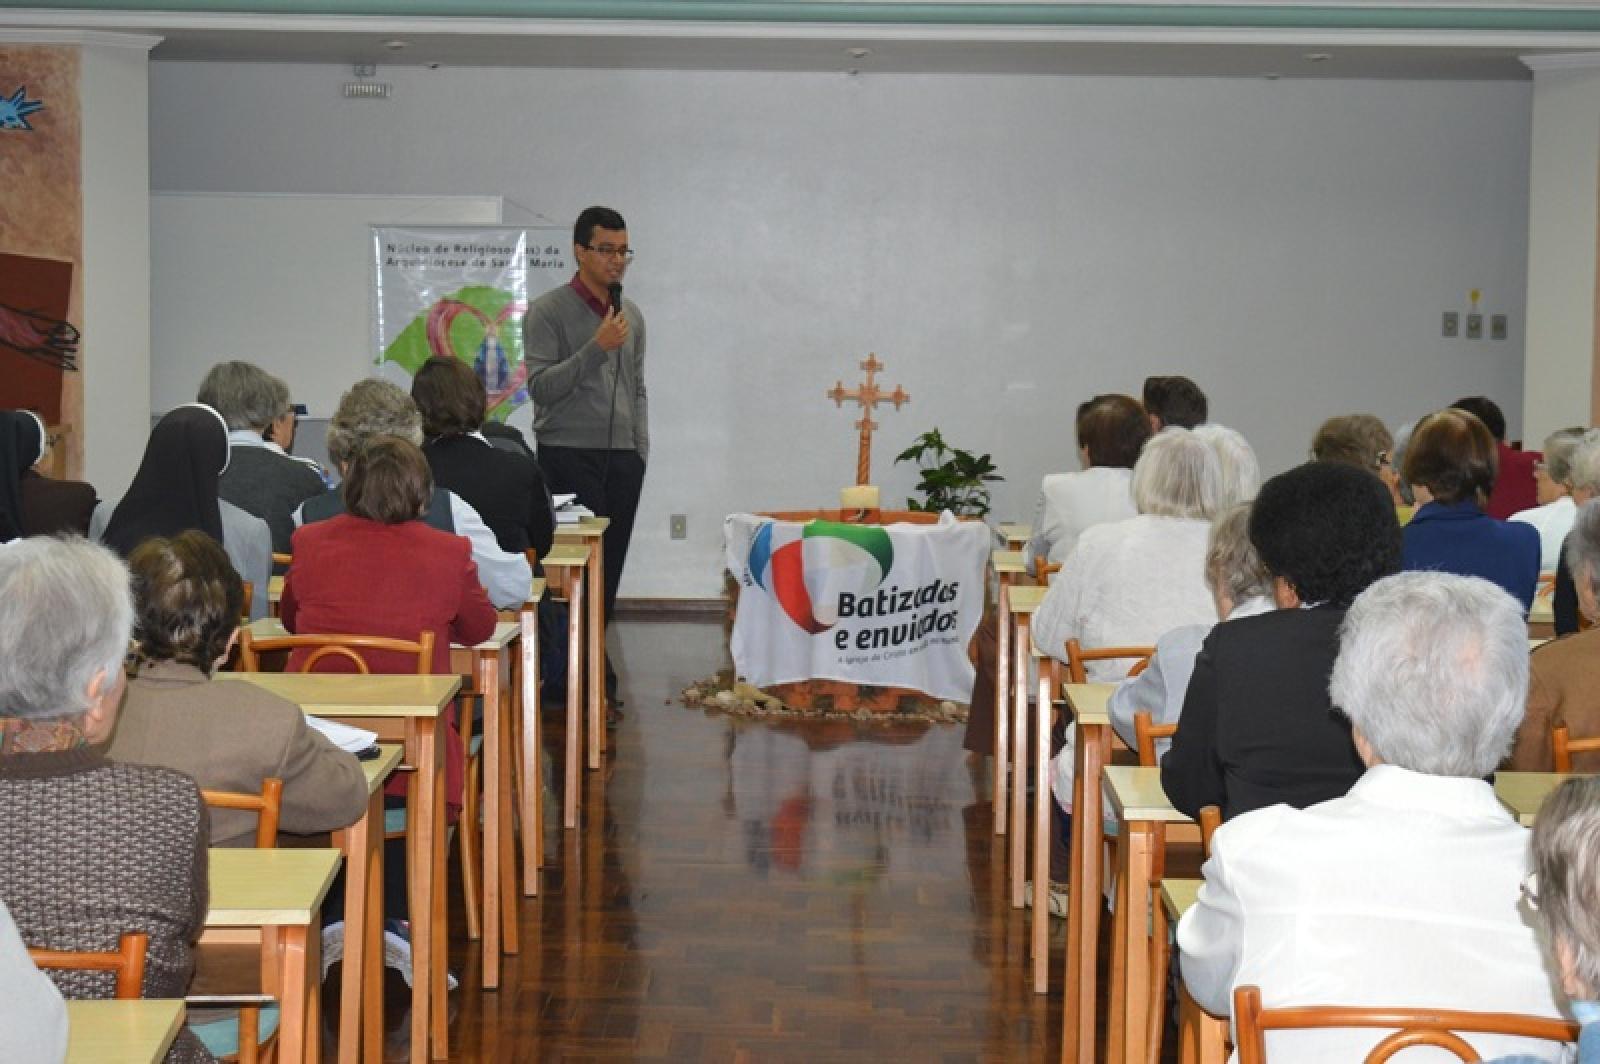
[[1210, 819], [342, 646], [1043, 571], [267, 806], [1077, 656], [282, 559], [249, 597], [1409, 1027], [127, 962], [1563, 746], [1145, 733]]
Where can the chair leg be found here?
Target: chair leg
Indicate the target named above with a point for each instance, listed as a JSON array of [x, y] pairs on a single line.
[[1160, 959], [467, 833]]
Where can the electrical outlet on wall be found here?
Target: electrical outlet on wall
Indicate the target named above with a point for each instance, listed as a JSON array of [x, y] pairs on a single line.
[[1497, 326], [1474, 326], [678, 526], [1450, 326]]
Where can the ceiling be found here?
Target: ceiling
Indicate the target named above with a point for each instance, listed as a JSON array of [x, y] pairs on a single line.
[[1061, 49]]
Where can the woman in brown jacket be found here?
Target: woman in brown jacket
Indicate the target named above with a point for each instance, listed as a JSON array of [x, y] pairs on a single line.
[[228, 736]]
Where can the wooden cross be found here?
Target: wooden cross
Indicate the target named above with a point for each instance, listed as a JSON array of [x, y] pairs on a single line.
[[868, 395]]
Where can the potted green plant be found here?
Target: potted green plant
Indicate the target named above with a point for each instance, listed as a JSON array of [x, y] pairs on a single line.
[[952, 479]]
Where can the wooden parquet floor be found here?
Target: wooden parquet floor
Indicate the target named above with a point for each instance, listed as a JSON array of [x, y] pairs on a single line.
[[744, 891]]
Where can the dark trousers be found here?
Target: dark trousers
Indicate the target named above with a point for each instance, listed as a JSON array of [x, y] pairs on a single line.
[[609, 483]]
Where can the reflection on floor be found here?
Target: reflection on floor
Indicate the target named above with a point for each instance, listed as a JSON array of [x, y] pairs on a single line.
[[744, 890]]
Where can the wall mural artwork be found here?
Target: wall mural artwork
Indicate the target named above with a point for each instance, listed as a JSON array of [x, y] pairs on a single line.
[[15, 109], [41, 237]]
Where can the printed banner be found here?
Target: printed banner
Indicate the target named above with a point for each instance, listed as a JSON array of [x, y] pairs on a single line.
[[885, 605], [461, 292]]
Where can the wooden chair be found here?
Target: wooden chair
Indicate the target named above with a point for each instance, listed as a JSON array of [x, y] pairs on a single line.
[[240, 1038], [1209, 820], [282, 559], [1077, 657], [1043, 571], [1146, 732], [127, 961], [249, 597], [1563, 746], [268, 805], [1412, 1027]]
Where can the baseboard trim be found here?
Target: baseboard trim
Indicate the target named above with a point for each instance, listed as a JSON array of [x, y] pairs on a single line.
[[671, 608]]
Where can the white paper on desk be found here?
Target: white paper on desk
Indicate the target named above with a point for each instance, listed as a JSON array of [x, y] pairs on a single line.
[[564, 498], [350, 740], [571, 515]]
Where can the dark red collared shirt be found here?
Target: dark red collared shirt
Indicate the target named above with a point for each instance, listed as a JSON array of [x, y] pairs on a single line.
[[597, 305]]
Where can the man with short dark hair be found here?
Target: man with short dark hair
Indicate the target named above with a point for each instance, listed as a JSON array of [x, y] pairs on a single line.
[[584, 347], [1173, 401]]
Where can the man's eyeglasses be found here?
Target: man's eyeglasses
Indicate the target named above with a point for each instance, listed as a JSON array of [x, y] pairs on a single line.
[[1530, 890], [625, 254]]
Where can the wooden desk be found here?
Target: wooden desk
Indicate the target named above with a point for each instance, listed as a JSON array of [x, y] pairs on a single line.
[[590, 532], [525, 721], [1007, 567], [122, 1032], [1542, 617], [488, 666], [408, 708], [1524, 792], [565, 564], [1092, 737], [279, 892], [1016, 535], [1021, 602], [1143, 811], [1202, 1037], [361, 991]]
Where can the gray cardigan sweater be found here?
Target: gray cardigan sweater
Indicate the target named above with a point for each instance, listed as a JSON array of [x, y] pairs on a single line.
[[571, 377]]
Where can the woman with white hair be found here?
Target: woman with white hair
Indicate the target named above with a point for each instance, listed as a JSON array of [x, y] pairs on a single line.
[[110, 847], [1552, 483], [1564, 892], [1404, 891], [1238, 471], [1128, 582], [1565, 683], [1583, 484]]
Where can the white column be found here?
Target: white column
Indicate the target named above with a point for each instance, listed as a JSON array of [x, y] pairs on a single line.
[[1559, 378], [114, 90]]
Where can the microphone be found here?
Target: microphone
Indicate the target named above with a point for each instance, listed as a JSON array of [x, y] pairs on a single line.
[[615, 288]]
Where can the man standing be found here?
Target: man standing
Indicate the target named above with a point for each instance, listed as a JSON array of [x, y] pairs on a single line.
[[584, 348]]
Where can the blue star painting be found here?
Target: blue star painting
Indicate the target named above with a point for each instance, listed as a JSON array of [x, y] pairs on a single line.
[[15, 109]]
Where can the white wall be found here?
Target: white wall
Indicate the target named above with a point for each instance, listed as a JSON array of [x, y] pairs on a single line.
[[114, 91], [1007, 245], [1564, 194]]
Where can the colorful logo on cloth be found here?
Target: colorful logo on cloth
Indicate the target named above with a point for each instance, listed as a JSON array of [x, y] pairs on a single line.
[[15, 109], [805, 569]]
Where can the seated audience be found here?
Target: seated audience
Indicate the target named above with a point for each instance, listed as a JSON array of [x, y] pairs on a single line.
[[1176, 401], [32, 504], [94, 848], [1451, 467], [1552, 478], [1360, 440], [176, 489], [1257, 727], [507, 489], [263, 478], [1397, 461], [374, 408], [35, 1027], [1583, 484], [1514, 487], [1565, 687], [1404, 891], [228, 736], [379, 569], [1128, 582], [1240, 587], [1563, 891]]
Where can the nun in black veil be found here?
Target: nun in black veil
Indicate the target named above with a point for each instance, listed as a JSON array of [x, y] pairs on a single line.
[[31, 504], [175, 490]]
